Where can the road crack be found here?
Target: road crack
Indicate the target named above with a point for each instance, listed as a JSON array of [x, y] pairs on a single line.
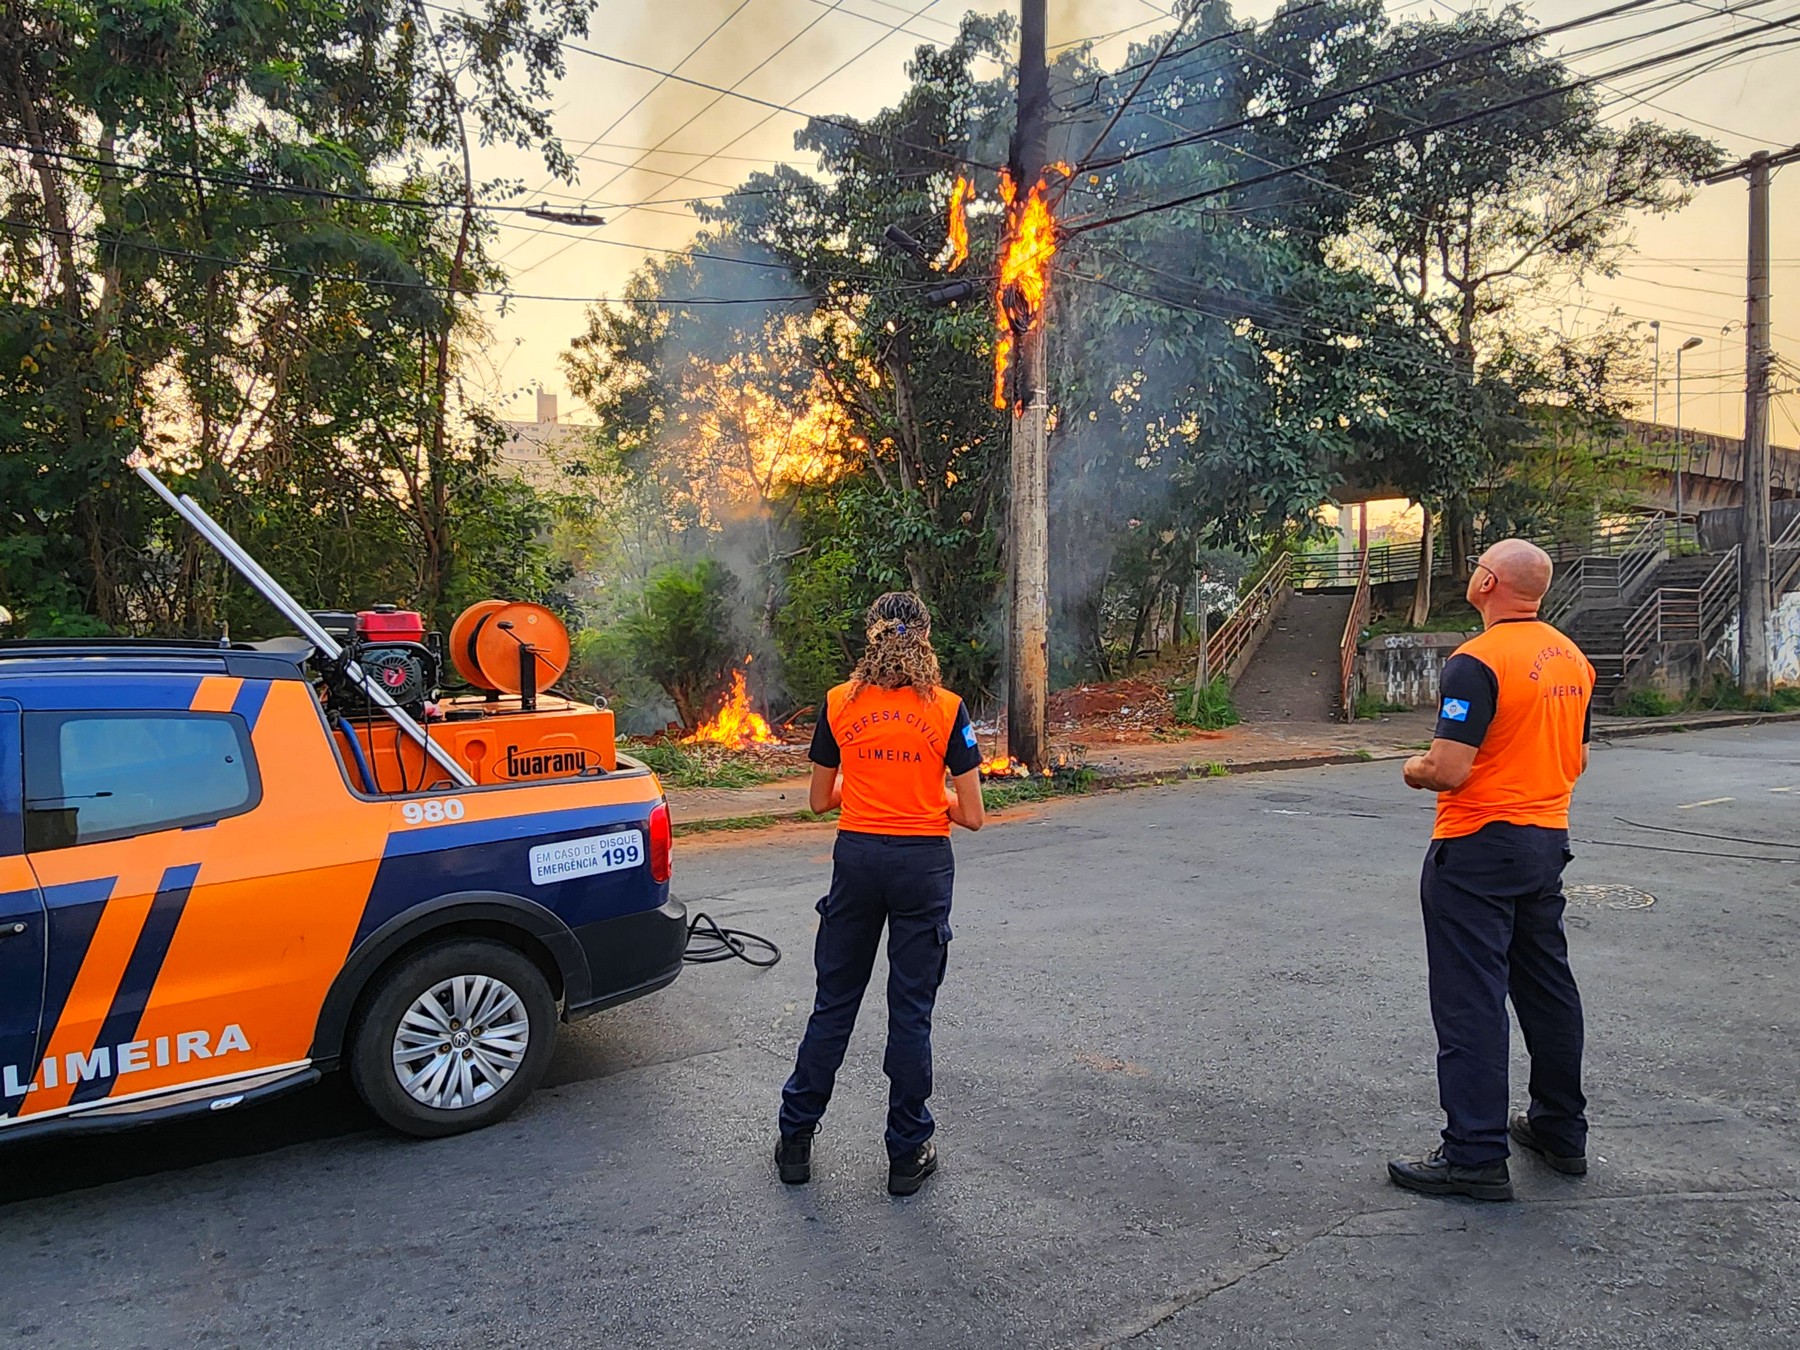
[[1233, 1276]]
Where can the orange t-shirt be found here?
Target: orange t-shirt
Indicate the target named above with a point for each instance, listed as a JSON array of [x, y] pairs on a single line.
[[893, 747], [1522, 692]]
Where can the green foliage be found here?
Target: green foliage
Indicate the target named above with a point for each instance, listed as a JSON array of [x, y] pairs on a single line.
[[1724, 695], [690, 766], [1216, 769], [241, 268], [1645, 703], [1213, 708], [814, 626], [1069, 782], [1370, 706], [683, 634]]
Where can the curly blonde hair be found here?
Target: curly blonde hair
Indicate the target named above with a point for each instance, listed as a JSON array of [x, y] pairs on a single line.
[[899, 653]]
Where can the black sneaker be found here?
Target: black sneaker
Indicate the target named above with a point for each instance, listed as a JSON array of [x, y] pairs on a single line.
[[906, 1175], [793, 1158], [1436, 1175], [1570, 1165]]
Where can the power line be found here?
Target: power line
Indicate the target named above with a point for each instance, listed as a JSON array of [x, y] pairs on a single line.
[[749, 131], [947, 156], [246, 264], [1385, 142], [717, 99], [1338, 96]]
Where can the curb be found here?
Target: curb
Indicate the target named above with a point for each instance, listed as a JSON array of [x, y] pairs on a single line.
[[1104, 782], [1196, 771], [1698, 722]]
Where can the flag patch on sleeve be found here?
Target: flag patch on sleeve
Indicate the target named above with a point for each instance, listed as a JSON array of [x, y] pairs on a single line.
[[1454, 710], [969, 737]]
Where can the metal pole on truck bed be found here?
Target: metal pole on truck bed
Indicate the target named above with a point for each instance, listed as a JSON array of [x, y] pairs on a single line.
[[273, 591]]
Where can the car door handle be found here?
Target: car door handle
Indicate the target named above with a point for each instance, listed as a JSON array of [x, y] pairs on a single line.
[[11, 929]]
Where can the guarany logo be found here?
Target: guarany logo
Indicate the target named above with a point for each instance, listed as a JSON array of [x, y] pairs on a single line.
[[556, 761]]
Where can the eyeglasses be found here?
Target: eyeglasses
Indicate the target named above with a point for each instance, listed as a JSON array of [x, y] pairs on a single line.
[[1475, 563]]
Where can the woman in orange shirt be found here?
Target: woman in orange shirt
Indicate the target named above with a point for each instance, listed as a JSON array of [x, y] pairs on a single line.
[[885, 741]]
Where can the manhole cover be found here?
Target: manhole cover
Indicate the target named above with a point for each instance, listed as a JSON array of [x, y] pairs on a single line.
[[1609, 896]]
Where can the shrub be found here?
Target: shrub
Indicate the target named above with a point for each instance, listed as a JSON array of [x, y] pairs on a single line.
[[1210, 707], [1645, 703], [1371, 706], [684, 634]]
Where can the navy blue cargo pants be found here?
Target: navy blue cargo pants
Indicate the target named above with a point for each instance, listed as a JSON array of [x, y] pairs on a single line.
[[1493, 906], [904, 883]]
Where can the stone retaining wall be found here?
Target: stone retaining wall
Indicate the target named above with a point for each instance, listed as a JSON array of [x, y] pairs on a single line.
[[1403, 668]]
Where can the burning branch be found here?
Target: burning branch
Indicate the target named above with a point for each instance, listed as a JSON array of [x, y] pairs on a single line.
[[960, 197]]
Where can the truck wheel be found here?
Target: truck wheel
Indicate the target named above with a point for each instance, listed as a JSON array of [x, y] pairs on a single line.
[[453, 1038]]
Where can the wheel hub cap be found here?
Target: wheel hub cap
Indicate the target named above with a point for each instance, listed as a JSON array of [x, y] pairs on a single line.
[[460, 1042]]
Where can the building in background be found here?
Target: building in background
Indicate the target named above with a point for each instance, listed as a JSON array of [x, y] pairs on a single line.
[[535, 450]]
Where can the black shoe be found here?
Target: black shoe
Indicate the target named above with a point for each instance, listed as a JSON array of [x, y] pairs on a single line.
[[793, 1158], [1570, 1165], [1436, 1175], [906, 1175]]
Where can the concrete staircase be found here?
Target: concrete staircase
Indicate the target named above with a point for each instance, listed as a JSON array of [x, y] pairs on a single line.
[[1294, 675], [1600, 631]]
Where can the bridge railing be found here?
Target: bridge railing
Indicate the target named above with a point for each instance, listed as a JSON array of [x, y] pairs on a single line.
[[1347, 646], [1230, 648]]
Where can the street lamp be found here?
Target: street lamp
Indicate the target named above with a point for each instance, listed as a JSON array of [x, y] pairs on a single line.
[[1680, 449], [1655, 372]]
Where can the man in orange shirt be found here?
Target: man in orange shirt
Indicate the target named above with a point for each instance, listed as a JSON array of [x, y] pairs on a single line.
[[1513, 727], [884, 744]]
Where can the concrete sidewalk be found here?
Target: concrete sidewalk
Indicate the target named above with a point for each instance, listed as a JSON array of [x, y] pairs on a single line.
[[1249, 748]]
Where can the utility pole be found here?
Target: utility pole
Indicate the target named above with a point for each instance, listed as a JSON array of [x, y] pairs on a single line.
[[1753, 592], [1028, 527]]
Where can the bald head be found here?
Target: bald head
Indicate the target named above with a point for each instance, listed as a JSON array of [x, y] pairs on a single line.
[[1510, 580]]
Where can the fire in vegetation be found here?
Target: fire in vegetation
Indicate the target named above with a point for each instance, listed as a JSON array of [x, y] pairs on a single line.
[[960, 197], [1005, 766], [1025, 254], [735, 725]]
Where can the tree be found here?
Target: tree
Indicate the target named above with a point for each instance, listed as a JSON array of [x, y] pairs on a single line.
[[1469, 223], [228, 234], [685, 635]]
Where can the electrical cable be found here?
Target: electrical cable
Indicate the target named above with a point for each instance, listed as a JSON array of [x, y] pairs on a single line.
[[1685, 852], [1708, 834], [717, 99], [755, 127], [708, 944], [249, 265], [839, 123], [1385, 142], [1393, 77]]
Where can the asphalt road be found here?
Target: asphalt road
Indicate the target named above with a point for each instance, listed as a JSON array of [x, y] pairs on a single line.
[[1182, 1031]]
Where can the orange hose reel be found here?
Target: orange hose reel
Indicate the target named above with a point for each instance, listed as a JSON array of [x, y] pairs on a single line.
[[491, 638]]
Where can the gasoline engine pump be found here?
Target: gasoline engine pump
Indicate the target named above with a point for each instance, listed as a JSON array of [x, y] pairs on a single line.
[[392, 647]]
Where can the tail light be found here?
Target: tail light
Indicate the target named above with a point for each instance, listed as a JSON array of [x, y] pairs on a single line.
[[662, 843]]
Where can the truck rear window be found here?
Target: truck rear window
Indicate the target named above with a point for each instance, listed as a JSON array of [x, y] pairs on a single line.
[[94, 776]]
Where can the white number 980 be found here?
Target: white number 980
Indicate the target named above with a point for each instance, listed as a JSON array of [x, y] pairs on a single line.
[[431, 811]]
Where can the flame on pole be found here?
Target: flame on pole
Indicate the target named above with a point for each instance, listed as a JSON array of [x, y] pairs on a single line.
[[1026, 251]]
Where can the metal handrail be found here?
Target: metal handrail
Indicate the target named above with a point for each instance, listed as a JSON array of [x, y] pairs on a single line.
[[1784, 559], [1683, 613], [1610, 577], [1387, 562], [1353, 626], [1225, 646]]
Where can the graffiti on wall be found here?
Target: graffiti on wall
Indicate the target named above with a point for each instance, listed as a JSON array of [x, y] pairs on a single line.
[[1784, 642]]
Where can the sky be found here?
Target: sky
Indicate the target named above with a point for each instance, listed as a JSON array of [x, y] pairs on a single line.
[[640, 139]]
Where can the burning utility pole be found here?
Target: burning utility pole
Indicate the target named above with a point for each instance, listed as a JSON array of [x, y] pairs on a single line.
[[1028, 530]]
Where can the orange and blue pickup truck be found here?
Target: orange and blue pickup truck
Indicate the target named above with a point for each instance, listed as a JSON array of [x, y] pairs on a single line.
[[217, 884]]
